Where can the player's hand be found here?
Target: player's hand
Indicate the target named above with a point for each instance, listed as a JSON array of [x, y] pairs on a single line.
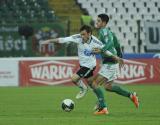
[[96, 50], [45, 42], [121, 62]]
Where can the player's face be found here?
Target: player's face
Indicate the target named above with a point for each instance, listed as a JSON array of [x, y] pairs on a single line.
[[85, 36], [99, 23]]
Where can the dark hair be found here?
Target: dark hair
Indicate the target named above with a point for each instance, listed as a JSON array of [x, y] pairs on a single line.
[[104, 17], [87, 28]]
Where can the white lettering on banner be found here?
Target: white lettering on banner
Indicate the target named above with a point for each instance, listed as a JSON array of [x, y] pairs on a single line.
[[9, 44], [151, 72], [36, 72], [51, 72], [133, 71]]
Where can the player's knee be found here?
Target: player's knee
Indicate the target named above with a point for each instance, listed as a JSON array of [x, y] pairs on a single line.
[[89, 81], [94, 84], [108, 87], [75, 79], [90, 84]]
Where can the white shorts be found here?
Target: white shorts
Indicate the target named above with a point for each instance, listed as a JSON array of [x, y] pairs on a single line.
[[109, 71]]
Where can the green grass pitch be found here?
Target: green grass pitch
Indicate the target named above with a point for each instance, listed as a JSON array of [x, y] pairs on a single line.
[[42, 106]]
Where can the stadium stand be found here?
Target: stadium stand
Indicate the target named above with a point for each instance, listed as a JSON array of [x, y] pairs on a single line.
[[124, 15], [21, 11], [68, 8]]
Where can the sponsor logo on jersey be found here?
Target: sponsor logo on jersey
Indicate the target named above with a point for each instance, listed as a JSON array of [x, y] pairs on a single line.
[[51, 72], [88, 52], [134, 71]]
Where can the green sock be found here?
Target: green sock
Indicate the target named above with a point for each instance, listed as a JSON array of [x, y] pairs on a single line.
[[100, 97], [119, 90]]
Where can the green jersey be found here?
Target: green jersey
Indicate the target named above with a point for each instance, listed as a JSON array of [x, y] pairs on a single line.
[[111, 44]]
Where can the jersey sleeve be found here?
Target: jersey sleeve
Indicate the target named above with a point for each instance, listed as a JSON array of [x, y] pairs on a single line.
[[73, 38], [98, 43], [117, 46], [108, 41]]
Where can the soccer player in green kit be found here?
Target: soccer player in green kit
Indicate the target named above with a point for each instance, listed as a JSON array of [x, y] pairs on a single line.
[[108, 71]]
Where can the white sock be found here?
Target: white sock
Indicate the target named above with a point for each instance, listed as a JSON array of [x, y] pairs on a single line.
[[81, 84]]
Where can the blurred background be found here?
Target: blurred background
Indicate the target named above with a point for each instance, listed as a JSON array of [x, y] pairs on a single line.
[[25, 23], [24, 63]]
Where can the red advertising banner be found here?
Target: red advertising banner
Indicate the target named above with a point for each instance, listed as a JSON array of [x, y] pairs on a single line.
[[54, 72], [140, 71], [47, 72]]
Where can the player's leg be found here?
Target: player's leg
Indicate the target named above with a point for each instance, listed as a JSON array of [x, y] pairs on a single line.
[[83, 72], [96, 91], [106, 73], [102, 106], [110, 71], [111, 87], [90, 81], [111, 75], [76, 79]]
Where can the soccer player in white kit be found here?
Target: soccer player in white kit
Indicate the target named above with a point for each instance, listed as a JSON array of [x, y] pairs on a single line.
[[86, 42]]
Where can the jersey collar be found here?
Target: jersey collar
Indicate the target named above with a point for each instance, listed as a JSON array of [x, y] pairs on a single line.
[[89, 41]]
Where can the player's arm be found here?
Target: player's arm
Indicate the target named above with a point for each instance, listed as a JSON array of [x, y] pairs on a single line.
[[101, 48], [108, 38], [116, 58], [109, 43], [59, 40], [106, 52], [109, 54], [117, 46], [104, 49], [50, 41]]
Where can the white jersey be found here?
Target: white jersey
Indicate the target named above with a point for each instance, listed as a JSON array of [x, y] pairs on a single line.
[[86, 57]]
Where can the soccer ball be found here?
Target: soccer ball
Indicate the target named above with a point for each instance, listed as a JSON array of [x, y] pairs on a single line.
[[67, 105]]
